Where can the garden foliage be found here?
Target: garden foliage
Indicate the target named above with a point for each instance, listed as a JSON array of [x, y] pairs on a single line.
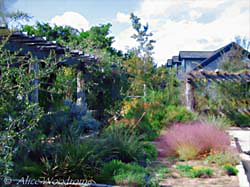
[[18, 115], [195, 171], [117, 172], [227, 98], [57, 139]]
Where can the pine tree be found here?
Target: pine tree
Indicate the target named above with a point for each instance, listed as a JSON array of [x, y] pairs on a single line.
[[144, 51]]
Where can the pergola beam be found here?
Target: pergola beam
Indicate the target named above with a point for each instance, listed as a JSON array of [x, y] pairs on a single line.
[[40, 48], [210, 76]]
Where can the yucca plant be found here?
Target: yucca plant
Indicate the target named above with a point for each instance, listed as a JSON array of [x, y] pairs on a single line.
[[77, 159]]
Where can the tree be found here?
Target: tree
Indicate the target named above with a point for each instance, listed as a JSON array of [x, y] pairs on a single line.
[[140, 62], [243, 42], [145, 47], [63, 35]]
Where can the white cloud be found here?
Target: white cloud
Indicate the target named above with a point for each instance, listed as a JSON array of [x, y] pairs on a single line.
[[72, 19], [124, 40], [122, 18], [181, 24]]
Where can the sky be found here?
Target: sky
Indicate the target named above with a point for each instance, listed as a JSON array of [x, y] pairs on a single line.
[[177, 25]]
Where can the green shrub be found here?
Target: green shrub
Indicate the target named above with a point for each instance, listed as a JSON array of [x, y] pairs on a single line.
[[193, 172], [167, 96], [151, 151], [150, 116], [122, 143], [161, 172], [29, 168], [65, 157], [231, 170], [117, 172], [219, 121], [177, 114], [223, 158], [242, 120], [69, 155], [75, 159], [203, 172], [184, 168]]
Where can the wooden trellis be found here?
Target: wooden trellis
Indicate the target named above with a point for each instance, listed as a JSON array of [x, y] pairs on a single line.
[[41, 48], [215, 77]]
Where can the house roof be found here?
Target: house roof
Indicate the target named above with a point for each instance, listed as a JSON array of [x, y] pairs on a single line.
[[196, 54], [218, 53]]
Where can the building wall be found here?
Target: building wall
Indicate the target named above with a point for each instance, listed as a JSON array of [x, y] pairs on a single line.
[[192, 63], [213, 65]]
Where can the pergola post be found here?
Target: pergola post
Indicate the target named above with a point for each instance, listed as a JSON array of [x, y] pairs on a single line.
[[34, 95], [189, 95], [81, 98]]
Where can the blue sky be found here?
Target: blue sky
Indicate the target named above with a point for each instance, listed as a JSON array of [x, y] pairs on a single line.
[[176, 24], [95, 11]]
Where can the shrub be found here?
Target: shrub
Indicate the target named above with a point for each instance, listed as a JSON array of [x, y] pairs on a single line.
[[223, 158], [66, 159], [184, 168], [29, 168], [72, 156], [177, 114], [193, 172], [122, 143], [231, 170], [72, 115], [219, 121], [192, 140], [75, 159], [61, 157], [151, 151], [187, 151], [242, 120], [201, 172], [117, 172], [150, 116]]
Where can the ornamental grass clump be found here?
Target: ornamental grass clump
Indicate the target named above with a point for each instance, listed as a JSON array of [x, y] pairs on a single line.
[[188, 141]]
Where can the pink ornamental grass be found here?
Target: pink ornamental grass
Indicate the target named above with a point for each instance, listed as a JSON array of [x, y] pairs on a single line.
[[190, 140]]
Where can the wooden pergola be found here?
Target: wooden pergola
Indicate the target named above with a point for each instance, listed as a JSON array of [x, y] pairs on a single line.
[[40, 48], [216, 76]]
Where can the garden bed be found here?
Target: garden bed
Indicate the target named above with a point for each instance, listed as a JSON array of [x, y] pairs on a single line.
[[177, 179], [212, 168]]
